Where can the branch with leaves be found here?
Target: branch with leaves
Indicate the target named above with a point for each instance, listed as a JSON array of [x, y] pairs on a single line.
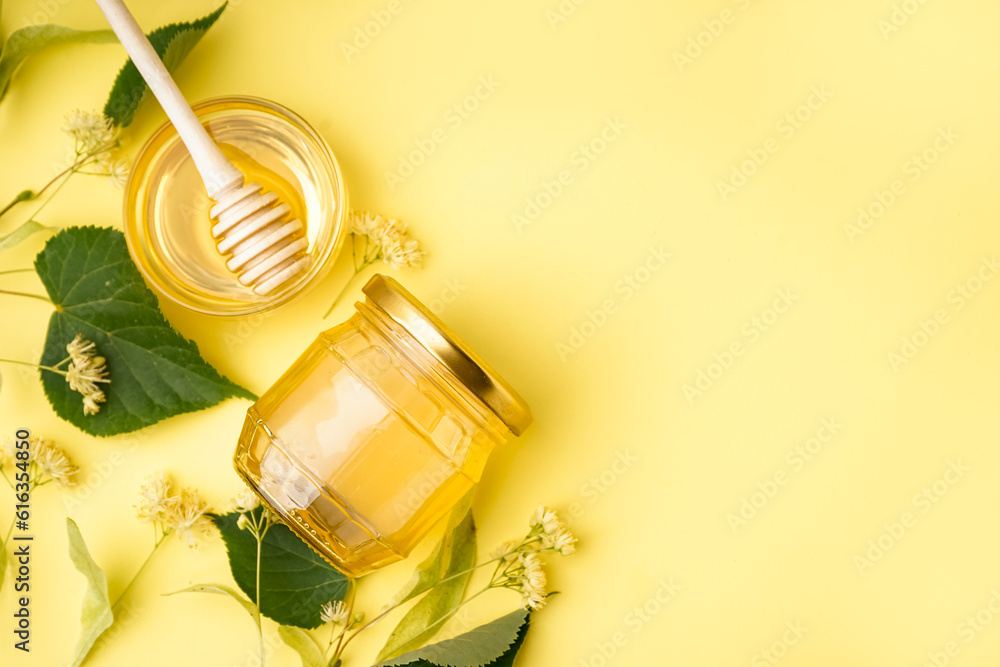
[[302, 592]]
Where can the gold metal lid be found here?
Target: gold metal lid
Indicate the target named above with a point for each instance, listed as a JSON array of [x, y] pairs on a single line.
[[435, 336]]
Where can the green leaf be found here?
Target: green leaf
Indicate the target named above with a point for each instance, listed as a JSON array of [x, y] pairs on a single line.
[[295, 581], [303, 644], [172, 43], [28, 41], [21, 233], [219, 589], [155, 372], [492, 645], [432, 569], [95, 617], [455, 554]]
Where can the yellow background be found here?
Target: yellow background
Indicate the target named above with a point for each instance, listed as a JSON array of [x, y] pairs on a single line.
[[666, 515]]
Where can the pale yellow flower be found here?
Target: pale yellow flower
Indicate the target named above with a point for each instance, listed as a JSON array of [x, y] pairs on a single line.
[[402, 253], [563, 542], [85, 370], [247, 501], [364, 223], [51, 462], [395, 245], [156, 503], [505, 550], [547, 519], [188, 516]]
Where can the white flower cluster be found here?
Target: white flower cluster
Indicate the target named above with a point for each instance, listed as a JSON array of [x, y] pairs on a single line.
[[389, 238], [520, 566], [245, 504], [183, 513], [84, 372], [51, 463], [95, 140]]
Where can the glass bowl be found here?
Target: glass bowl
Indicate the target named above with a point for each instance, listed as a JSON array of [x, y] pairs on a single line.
[[167, 225]]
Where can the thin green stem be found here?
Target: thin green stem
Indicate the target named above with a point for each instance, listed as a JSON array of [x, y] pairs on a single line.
[[27, 294], [128, 587], [45, 203], [26, 363], [342, 291], [265, 524], [347, 624], [23, 195], [28, 195], [3, 273]]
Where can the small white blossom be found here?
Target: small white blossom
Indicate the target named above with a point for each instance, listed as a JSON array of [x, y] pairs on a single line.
[[506, 550], [402, 253], [90, 130], [365, 224], [547, 519], [155, 501], [118, 173], [532, 581], [247, 501], [334, 612], [563, 542]]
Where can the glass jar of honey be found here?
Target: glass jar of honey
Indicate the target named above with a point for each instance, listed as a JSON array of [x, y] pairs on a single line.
[[376, 431]]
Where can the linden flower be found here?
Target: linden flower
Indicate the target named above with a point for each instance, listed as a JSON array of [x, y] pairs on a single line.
[[532, 581], [90, 130], [507, 551], [54, 464], [334, 612], [156, 503], [247, 501], [563, 542], [547, 519], [188, 515], [389, 236], [84, 372], [364, 223], [118, 173], [400, 254], [51, 462]]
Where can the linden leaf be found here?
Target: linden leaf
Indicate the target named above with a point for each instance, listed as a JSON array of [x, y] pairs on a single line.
[[295, 581], [96, 616], [172, 43], [453, 560], [432, 569], [494, 644], [28, 41], [219, 589], [21, 233], [155, 372], [303, 644]]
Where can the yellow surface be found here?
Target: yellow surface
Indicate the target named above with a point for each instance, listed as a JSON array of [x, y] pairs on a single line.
[[652, 476]]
